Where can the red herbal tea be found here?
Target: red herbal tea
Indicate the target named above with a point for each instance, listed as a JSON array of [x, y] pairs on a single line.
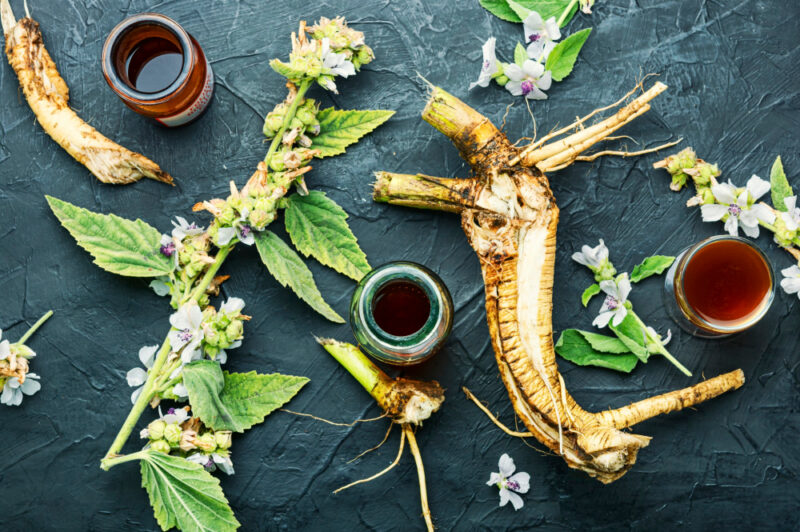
[[401, 308]]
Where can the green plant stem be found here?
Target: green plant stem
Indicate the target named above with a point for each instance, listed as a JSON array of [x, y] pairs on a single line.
[[150, 386], [357, 364], [111, 462], [565, 13], [35, 326], [287, 118], [661, 349]]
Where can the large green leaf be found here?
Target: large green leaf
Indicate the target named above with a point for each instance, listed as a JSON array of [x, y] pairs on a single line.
[[288, 269], [318, 228], [184, 495], [236, 401], [517, 11], [653, 265], [500, 9], [120, 246], [631, 333], [779, 185], [339, 128], [562, 57], [574, 345]]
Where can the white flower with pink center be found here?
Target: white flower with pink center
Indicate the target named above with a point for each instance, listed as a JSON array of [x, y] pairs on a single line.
[[739, 210], [489, 65], [541, 34], [613, 309], [530, 80], [510, 484]]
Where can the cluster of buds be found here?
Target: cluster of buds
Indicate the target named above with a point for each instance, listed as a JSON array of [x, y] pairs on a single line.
[[223, 329], [333, 50], [684, 165], [15, 377], [241, 214], [596, 259], [180, 434], [295, 149]]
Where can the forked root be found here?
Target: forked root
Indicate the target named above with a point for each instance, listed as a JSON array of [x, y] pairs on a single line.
[[381, 473], [423, 488]]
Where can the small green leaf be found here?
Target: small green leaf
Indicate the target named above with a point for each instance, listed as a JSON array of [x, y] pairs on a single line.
[[339, 128], [318, 227], [574, 346], [779, 185], [285, 70], [288, 269], [500, 9], [118, 245], [521, 11], [520, 55], [605, 344], [236, 401], [654, 265], [562, 58], [589, 293], [633, 336], [184, 495]]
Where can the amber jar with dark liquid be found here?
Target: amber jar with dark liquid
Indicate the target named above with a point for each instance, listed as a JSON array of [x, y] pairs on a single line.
[[158, 69]]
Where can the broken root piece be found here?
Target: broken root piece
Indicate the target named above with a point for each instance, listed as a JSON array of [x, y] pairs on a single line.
[[48, 96]]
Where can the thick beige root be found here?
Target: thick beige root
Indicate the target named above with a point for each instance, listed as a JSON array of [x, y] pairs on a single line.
[[48, 96], [510, 217]]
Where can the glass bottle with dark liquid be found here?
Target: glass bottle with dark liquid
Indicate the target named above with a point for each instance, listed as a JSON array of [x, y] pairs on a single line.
[[719, 286], [158, 69], [401, 313]]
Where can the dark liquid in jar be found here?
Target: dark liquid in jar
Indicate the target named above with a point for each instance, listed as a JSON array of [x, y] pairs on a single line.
[[726, 282], [154, 64], [401, 308]]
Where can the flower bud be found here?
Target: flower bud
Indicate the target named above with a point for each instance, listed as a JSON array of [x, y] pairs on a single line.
[[678, 181], [227, 216], [22, 351], [187, 441], [235, 330], [155, 430], [259, 219], [276, 161], [212, 337], [203, 300], [160, 446], [224, 439], [708, 197], [207, 442], [363, 56], [306, 116], [211, 350], [272, 123], [172, 433], [783, 236], [501, 80], [605, 272]]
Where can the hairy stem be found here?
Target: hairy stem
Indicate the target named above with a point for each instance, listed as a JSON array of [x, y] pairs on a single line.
[[661, 349], [108, 463], [287, 118], [565, 13], [425, 192], [358, 365], [34, 328], [212, 270]]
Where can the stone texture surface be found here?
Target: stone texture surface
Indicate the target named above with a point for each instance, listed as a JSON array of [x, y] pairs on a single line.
[[732, 68]]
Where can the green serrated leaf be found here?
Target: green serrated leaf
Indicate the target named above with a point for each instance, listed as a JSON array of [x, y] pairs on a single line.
[[500, 9], [118, 245], [288, 269], [520, 54], [589, 293], [236, 401], [339, 128], [654, 265], [633, 336], [562, 58], [779, 185], [318, 228], [184, 495], [574, 346]]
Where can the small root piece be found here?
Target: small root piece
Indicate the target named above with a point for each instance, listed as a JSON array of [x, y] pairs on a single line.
[[486, 411], [391, 466], [594, 156], [334, 423], [423, 489], [386, 437]]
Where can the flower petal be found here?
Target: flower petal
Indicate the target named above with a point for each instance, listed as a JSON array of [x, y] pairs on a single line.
[[136, 393], [5, 349], [790, 203], [536, 94], [147, 355], [602, 319], [763, 212], [514, 87], [609, 286], [180, 390], [533, 24], [516, 500], [532, 69], [504, 496], [494, 478], [724, 193], [732, 226], [619, 315], [226, 234], [713, 212], [788, 220], [757, 187], [31, 385], [136, 377], [514, 73], [553, 33], [791, 285], [506, 465], [791, 271], [624, 288], [545, 81], [523, 480]]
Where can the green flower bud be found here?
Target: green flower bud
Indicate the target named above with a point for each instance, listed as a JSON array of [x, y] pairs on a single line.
[[227, 216], [155, 430], [363, 56], [296, 123], [224, 439], [783, 236], [306, 116], [172, 433], [276, 161], [222, 320], [259, 219], [501, 80], [705, 172], [211, 351], [687, 158], [160, 446], [235, 330], [22, 350], [207, 442], [272, 123], [212, 337], [203, 300], [708, 196], [678, 180], [605, 272]]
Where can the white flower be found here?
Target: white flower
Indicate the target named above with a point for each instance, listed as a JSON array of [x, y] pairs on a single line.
[[741, 210], [791, 280], [508, 482], [541, 35], [241, 229], [333, 64], [232, 306], [614, 304], [489, 65], [174, 415], [528, 81], [5, 348], [653, 334], [212, 462], [592, 257], [13, 390], [138, 376], [188, 322], [182, 228], [792, 217]]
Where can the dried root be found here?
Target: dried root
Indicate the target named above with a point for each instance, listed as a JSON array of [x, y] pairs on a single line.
[[48, 97], [510, 217]]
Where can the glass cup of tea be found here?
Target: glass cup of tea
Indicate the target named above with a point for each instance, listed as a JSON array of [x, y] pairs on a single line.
[[719, 286]]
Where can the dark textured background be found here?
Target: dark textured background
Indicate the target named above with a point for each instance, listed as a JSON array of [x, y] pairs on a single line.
[[731, 464]]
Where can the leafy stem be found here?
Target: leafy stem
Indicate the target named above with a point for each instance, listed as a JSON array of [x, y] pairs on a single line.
[[287, 118], [108, 463], [566, 12], [649, 338], [33, 328]]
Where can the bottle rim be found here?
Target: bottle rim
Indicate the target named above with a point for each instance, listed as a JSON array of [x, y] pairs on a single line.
[[111, 46]]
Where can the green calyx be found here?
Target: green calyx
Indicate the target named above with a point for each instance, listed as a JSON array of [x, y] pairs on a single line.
[[605, 272], [155, 430], [172, 433]]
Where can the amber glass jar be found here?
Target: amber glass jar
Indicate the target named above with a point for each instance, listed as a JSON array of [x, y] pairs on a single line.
[[158, 69]]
